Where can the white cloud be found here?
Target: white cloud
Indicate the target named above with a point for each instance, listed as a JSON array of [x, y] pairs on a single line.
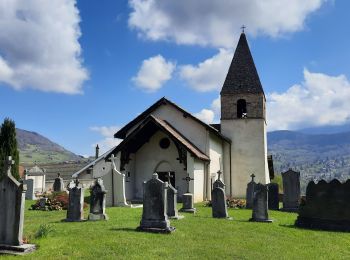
[[206, 115], [211, 115], [319, 100], [208, 75], [216, 23], [109, 141], [153, 73], [39, 46]]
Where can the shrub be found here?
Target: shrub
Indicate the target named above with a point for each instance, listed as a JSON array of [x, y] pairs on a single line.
[[44, 230], [231, 203]]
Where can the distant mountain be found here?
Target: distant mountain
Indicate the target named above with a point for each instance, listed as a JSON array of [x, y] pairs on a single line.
[[328, 129], [316, 156], [34, 147]]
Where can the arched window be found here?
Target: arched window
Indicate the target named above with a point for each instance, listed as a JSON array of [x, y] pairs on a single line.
[[241, 108]]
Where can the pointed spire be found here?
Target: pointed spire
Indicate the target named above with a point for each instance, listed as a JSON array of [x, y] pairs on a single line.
[[242, 76]]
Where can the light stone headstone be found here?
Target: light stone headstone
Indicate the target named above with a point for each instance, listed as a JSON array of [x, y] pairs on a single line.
[[98, 201], [218, 200], [260, 204], [75, 211], [291, 190], [30, 195], [58, 185], [12, 201], [187, 198], [250, 192], [273, 196], [154, 215]]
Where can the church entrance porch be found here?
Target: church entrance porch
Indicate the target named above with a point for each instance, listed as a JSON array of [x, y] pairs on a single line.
[[156, 147]]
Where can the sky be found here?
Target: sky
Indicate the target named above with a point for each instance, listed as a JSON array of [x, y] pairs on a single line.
[[77, 71]]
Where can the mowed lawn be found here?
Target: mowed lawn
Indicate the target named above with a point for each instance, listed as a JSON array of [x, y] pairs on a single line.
[[197, 236]]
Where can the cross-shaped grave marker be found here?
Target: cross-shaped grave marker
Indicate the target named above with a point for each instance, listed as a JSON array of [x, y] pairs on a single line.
[[253, 176], [188, 179]]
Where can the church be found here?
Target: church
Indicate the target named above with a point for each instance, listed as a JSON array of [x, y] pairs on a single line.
[[165, 138]]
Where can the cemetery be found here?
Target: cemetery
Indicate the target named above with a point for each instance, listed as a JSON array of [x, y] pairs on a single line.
[[171, 184]]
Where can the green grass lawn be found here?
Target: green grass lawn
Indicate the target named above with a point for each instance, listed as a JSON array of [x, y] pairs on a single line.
[[197, 236]]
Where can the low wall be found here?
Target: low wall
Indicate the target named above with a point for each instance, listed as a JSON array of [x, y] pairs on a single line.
[[86, 183]]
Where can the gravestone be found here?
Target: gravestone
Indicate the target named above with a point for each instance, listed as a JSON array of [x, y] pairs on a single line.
[[30, 189], [172, 201], [260, 201], [218, 182], [273, 196], [12, 201], [154, 215], [291, 190], [218, 200], [58, 185], [98, 201], [326, 206], [250, 192], [187, 198], [42, 203], [75, 210]]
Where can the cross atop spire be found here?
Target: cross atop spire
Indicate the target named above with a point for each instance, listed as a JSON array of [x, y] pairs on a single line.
[[243, 27]]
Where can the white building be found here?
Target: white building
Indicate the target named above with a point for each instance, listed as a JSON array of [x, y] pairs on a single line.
[[166, 138]]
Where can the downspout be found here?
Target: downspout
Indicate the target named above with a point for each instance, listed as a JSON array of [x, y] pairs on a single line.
[[230, 171], [112, 186]]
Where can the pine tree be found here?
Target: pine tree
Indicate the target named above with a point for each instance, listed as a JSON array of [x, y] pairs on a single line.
[[8, 147]]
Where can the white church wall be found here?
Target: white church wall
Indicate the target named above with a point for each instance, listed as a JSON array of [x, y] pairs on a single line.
[[248, 152], [148, 157], [215, 154], [101, 168], [198, 175], [227, 167]]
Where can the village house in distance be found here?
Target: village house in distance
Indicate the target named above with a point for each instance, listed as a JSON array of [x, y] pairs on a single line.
[[166, 138]]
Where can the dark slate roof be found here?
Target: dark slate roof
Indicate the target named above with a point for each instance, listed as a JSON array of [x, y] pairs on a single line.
[[163, 101], [242, 76]]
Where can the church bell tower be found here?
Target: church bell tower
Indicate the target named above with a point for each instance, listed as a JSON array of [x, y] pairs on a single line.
[[243, 120]]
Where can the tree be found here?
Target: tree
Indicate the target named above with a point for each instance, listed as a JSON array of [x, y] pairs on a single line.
[[8, 147]]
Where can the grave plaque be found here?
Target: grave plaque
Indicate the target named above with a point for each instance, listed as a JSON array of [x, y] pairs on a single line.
[[260, 201], [273, 196], [12, 200], [154, 215], [30, 189], [291, 190], [187, 198], [58, 185], [98, 201], [218, 200], [250, 192], [75, 211]]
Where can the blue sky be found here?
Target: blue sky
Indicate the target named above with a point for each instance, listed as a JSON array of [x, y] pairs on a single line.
[[77, 71]]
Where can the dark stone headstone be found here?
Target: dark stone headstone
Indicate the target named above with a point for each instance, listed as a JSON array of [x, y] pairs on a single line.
[[98, 201], [58, 184], [326, 206], [154, 215], [187, 203], [291, 190], [250, 193], [75, 211], [260, 201], [172, 203], [12, 200], [273, 196], [42, 203], [218, 200]]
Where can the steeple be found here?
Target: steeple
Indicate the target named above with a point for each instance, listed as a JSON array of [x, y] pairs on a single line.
[[242, 76]]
